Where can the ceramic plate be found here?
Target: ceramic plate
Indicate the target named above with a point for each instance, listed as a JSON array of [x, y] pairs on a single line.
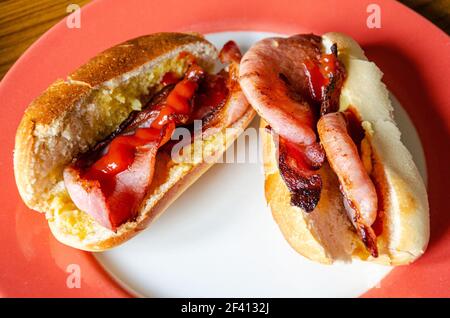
[[219, 239]]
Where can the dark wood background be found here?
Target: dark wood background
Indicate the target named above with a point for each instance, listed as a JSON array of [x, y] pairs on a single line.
[[23, 21]]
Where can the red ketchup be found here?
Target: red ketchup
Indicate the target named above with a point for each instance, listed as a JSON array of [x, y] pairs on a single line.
[[169, 78], [190, 57], [121, 150], [320, 73]]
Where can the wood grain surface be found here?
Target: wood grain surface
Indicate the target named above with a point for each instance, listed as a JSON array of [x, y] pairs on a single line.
[[23, 21]]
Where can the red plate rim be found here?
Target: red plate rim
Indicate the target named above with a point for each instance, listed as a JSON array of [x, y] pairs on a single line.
[[410, 50]]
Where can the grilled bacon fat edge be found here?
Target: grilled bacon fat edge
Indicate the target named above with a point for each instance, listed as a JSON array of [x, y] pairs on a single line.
[[326, 152], [94, 151]]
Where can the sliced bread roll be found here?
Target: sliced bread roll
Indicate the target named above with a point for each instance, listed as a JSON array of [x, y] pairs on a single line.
[[74, 114], [326, 235]]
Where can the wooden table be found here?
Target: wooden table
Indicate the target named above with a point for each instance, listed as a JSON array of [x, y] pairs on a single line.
[[23, 21]]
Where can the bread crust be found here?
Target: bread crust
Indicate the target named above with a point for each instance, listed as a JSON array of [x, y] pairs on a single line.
[[57, 98], [405, 231]]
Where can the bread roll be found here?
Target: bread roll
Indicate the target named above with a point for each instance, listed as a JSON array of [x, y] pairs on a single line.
[[326, 235], [72, 115]]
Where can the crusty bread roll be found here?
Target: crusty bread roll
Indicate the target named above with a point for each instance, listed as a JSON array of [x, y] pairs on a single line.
[[74, 114], [326, 235]]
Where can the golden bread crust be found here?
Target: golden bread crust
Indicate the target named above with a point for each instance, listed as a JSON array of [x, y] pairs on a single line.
[[129, 55]]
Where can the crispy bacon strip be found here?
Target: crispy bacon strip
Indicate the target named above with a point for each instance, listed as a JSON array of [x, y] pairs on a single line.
[[230, 53], [290, 82], [332, 91], [360, 196], [274, 80], [298, 167], [220, 101]]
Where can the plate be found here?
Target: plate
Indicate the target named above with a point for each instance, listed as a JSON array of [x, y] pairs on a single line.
[[227, 245]]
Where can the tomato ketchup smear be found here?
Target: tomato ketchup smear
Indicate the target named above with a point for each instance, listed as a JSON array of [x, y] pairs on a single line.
[[326, 75], [320, 73], [121, 150]]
